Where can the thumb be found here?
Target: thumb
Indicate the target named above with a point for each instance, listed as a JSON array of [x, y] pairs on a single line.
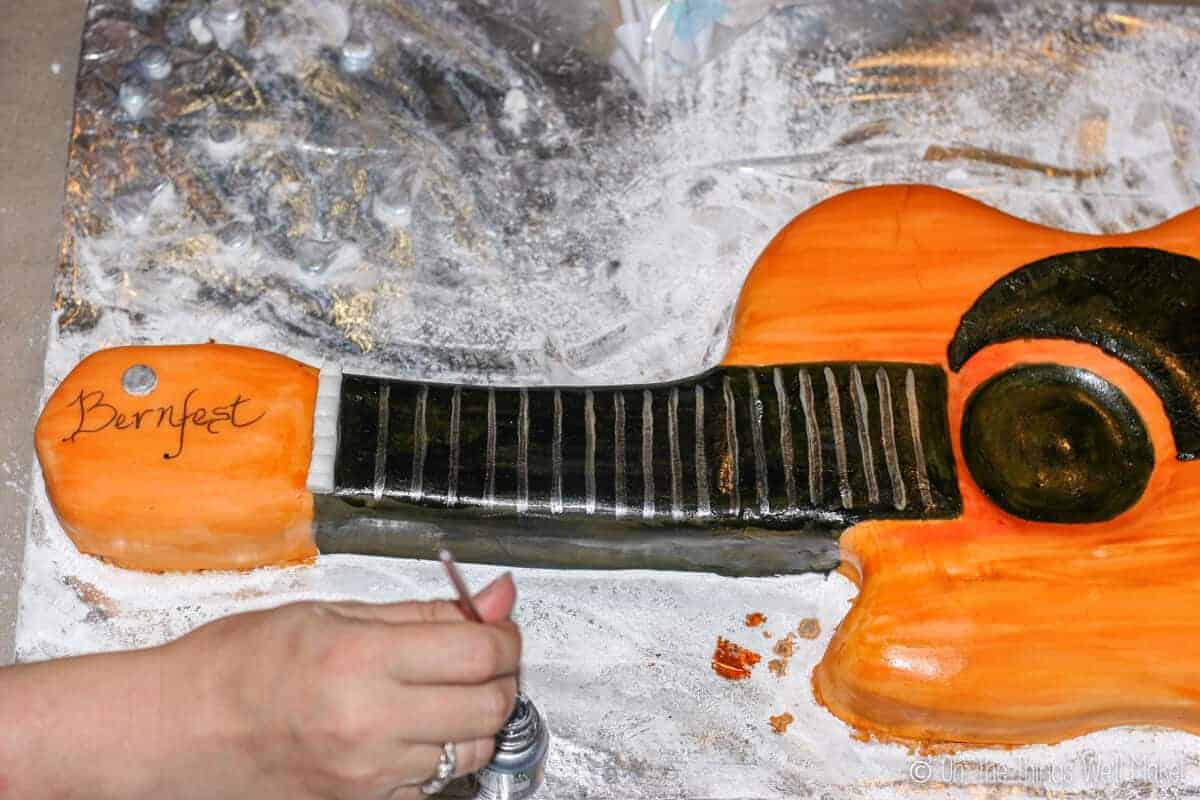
[[496, 600]]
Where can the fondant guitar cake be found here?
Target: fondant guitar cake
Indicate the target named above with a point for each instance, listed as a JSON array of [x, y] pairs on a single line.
[[866, 378], [997, 418]]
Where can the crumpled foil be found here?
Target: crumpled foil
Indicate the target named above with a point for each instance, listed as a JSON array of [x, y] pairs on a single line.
[[480, 191]]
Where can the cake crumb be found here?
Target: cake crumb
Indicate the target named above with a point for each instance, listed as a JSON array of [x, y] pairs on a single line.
[[754, 619], [780, 722], [809, 628], [778, 667], [732, 661], [785, 647], [766, 634]]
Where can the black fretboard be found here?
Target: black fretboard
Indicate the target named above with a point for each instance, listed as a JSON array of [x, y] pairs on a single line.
[[777, 447]]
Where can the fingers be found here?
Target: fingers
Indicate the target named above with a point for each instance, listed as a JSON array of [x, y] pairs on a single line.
[[418, 763], [474, 754], [456, 713], [470, 755], [398, 613], [462, 653], [495, 602]]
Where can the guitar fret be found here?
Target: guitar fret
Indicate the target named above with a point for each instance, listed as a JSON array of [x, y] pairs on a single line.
[[812, 430], [420, 444], [858, 399], [455, 446], [589, 458], [703, 506], [760, 455], [489, 490], [839, 439], [888, 423], [647, 455], [381, 441], [556, 457], [786, 447], [731, 449], [914, 423], [523, 454], [618, 454], [676, 459]]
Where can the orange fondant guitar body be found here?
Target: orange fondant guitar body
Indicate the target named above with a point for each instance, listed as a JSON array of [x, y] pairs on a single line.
[[1000, 416]]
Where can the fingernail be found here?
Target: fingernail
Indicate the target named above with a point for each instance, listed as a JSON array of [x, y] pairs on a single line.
[[507, 576]]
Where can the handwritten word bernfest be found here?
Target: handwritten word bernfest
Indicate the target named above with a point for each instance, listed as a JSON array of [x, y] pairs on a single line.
[[96, 415]]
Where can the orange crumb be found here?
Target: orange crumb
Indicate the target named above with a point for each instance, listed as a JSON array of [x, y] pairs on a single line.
[[786, 646], [809, 628], [778, 667], [780, 723], [733, 662], [755, 619], [766, 634]]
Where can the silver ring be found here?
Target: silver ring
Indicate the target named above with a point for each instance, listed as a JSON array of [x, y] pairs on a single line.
[[446, 766]]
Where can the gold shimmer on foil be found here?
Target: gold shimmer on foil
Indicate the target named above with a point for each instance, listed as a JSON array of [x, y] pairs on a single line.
[[938, 153], [360, 184], [419, 24], [1121, 24], [1093, 136], [352, 316], [340, 209], [244, 74], [303, 209], [323, 83], [930, 58], [872, 97], [399, 250]]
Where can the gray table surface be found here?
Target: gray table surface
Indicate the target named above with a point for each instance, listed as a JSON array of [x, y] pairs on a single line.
[[39, 52]]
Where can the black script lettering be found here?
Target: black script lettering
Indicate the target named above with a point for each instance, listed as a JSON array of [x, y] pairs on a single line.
[[183, 421], [95, 415], [85, 411], [233, 409]]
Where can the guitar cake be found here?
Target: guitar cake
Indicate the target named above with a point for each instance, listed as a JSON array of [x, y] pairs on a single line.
[[975, 417]]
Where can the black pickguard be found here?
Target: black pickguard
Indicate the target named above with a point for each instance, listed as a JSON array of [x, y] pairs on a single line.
[[1138, 304]]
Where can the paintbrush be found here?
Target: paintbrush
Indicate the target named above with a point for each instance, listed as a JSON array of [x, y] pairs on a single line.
[[465, 603]]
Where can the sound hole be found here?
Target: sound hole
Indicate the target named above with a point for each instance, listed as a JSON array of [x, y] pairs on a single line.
[[1056, 444]]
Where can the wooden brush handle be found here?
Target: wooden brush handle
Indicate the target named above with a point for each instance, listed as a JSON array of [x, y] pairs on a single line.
[[206, 470]]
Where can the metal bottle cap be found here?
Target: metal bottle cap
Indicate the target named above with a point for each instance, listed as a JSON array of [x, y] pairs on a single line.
[[131, 209], [154, 63], [139, 380], [357, 55], [224, 12], [236, 235], [393, 204], [223, 131], [226, 20], [132, 97]]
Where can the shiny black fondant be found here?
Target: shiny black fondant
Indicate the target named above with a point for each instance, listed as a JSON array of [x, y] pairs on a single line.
[[1140, 305], [1056, 444], [667, 487]]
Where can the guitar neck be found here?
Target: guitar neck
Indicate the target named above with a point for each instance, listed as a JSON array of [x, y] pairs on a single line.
[[771, 446]]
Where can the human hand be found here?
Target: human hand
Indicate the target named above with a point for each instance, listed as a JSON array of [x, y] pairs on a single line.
[[346, 700]]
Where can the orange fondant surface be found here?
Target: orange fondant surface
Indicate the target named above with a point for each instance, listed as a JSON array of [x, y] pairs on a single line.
[[984, 630], [990, 630], [885, 274], [206, 472]]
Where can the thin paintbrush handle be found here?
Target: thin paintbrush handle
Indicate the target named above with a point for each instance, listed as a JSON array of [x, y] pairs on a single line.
[[464, 595]]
